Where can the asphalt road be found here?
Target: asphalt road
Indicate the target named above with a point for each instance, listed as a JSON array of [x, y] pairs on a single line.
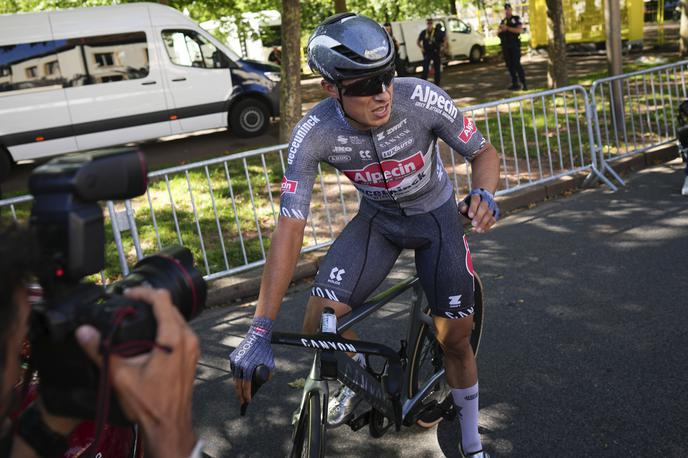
[[583, 352]]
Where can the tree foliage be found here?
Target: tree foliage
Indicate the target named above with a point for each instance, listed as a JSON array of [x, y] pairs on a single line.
[[312, 11]]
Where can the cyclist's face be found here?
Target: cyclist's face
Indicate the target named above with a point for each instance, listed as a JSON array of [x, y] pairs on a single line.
[[369, 111]]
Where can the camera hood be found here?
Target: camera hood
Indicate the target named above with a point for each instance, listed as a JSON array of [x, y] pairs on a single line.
[[106, 174]]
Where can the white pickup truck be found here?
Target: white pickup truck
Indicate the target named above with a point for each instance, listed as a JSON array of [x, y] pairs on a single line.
[[463, 41]]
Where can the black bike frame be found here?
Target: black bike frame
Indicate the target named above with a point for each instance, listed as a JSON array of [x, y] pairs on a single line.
[[386, 396]]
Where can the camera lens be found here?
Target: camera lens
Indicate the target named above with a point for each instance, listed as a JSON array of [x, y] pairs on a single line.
[[171, 269]]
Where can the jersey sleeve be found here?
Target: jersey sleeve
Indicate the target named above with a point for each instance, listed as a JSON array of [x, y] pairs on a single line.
[[456, 129], [302, 168]]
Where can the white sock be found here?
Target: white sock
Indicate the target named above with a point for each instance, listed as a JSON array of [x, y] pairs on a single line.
[[466, 400], [360, 359]]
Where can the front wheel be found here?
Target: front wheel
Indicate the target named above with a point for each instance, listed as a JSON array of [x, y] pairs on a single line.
[[309, 432]]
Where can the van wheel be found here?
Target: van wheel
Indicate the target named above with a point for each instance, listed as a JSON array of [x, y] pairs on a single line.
[[410, 69], [476, 54], [249, 118], [5, 164]]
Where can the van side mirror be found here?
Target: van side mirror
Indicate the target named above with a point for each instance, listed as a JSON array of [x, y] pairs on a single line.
[[224, 61]]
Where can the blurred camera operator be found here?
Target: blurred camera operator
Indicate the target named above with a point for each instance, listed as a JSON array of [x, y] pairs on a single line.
[[164, 415]]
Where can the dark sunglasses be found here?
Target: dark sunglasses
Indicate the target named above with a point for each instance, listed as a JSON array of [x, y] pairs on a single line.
[[369, 86]]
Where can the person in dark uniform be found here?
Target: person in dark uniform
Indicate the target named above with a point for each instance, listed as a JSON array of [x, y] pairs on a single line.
[[509, 30], [431, 40], [398, 63]]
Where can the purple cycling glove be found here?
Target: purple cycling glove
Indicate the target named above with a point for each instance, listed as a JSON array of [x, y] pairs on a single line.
[[254, 350]]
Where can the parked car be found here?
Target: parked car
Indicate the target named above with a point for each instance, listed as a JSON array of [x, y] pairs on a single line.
[[94, 77], [463, 41]]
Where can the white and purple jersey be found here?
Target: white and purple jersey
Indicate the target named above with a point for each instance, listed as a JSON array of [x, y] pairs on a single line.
[[395, 166]]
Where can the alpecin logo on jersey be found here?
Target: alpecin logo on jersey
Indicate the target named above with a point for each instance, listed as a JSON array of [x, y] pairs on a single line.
[[431, 100], [391, 171], [468, 130], [288, 186]]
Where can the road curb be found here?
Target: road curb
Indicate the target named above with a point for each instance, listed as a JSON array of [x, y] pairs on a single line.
[[239, 287]]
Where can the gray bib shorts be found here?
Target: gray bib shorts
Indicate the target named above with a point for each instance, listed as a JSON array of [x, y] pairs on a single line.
[[365, 252]]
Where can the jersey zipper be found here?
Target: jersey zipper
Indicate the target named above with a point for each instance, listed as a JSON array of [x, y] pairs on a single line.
[[382, 171]]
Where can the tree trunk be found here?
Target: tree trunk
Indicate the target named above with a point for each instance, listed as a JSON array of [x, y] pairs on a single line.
[[339, 6], [683, 30], [452, 7], [612, 25], [557, 75], [290, 95]]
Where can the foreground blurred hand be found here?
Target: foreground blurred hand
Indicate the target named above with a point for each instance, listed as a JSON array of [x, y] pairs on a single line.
[[155, 390]]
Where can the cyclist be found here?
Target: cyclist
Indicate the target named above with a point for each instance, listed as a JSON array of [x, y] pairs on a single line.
[[382, 133]]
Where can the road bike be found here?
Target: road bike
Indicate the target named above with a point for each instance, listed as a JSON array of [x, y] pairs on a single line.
[[409, 387]]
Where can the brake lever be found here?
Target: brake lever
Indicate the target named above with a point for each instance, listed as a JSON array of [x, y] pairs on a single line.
[[261, 374], [467, 201]]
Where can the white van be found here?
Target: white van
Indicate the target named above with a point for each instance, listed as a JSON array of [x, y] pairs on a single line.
[[93, 77], [463, 41]]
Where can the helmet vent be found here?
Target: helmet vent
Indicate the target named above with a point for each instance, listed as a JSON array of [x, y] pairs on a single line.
[[353, 55]]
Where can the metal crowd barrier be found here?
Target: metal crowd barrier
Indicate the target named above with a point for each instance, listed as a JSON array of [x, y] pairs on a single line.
[[16, 206], [541, 137], [225, 209], [636, 112]]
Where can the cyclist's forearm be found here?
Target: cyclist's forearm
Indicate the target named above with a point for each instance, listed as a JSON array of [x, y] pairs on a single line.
[[485, 169], [279, 268]]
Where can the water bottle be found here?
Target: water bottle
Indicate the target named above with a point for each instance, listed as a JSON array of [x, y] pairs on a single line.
[[328, 323], [328, 362]]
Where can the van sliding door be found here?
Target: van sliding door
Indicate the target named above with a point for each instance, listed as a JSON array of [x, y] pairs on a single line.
[[199, 79], [115, 90]]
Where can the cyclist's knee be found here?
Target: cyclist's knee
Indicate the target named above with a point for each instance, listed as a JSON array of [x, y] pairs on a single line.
[[455, 336], [458, 347]]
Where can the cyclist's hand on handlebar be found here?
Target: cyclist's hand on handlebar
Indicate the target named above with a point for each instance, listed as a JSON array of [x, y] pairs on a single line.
[[253, 351], [480, 207]]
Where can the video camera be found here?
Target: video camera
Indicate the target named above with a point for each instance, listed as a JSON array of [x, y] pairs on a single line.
[[69, 226]]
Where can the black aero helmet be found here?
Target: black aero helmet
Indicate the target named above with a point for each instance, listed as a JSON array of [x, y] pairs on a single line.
[[348, 45]]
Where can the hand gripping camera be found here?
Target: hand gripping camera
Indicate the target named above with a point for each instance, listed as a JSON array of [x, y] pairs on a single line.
[[68, 223]]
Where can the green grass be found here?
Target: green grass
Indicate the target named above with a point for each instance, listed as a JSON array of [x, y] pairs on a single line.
[[175, 199], [519, 129]]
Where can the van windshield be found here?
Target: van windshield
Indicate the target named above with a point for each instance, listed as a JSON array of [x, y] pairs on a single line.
[[190, 49]]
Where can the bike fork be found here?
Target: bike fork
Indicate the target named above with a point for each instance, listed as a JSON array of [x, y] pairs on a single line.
[[314, 385]]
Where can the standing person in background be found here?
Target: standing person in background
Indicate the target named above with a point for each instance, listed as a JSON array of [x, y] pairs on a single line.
[[509, 30], [398, 63], [431, 41]]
